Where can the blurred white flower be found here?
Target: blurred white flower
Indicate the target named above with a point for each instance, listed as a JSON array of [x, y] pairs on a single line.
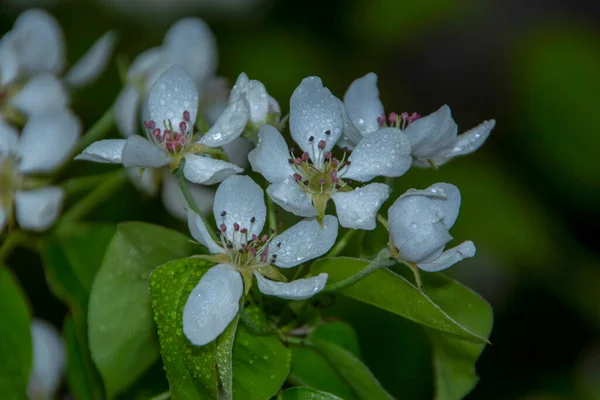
[[433, 138], [303, 185], [262, 107], [44, 145], [49, 361], [419, 223], [240, 214]]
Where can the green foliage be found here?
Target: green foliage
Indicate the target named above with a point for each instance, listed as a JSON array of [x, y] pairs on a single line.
[[121, 329], [15, 339], [306, 393]]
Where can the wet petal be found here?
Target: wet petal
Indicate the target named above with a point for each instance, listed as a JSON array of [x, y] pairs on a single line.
[[383, 153], [139, 152], [363, 104], [242, 200], [49, 361], [229, 125], [237, 151], [440, 200], [288, 195], [146, 61], [176, 204], [433, 133], [41, 93], [93, 62], [104, 151], [358, 208], [314, 111], [206, 170], [146, 180], [37, 210], [126, 110], [9, 62], [270, 158], [9, 138], [212, 305], [351, 133], [47, 141], [200, 232], [300, 289], [256, 96], [466, 143], [449, 257]]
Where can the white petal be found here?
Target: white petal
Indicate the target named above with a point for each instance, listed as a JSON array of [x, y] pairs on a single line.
[[173, 93], [200, 232], [191, 43], [40, 42], [288, 195], [9, 62], [383, 153], [466, 143], [9, 139], [313, 111], [176, 204], [229, 125], [139, 152], [215, 94], [41, 93], [93, 62], [212, 305], [304, 241], [449, 257], [433, 133], [358, 208], [344, 142], [146, 180], [104, 151], [442, 200], [206, 170], [145, 61], [351, 133], [363, 104], [300, 289], [237, 151], [270, 158], [242, 200], [258, 101], [37, 209], [126, 110], [47, 141], [49, 361]]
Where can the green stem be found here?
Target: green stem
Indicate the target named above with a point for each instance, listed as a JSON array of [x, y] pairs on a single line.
[[94, 198], [13, 240], [382, 260], [162, 396], [383, 222], [101, 128], [271, 217], [342, 243], [183, 184], [84, 183]]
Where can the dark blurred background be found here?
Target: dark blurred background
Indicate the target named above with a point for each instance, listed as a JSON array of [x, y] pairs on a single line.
[[531, 195]]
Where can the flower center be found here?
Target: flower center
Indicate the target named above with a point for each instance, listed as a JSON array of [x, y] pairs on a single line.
[[170, 140], [400, 121]]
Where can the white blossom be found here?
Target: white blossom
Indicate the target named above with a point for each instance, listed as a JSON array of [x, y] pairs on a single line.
[[243, 251], [420, 221], [263, 108], [304, 184], [44, 145], [49, 361], [434, 140]]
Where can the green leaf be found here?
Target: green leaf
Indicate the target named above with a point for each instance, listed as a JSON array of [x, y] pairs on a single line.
[[83, 378], [15, 338], [454, 359], [121, 328], [72, 257], [224, 354], [340, 333], [191, 370], [394, 293], [260, 365], [306, 393]]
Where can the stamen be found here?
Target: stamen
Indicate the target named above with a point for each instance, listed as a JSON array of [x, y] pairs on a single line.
[[328, 132], [223, 227], [236, 226], [393, 117], [182, 126], [305, 156], [150, 124], [186, 116], [297, 177], [322, 145], [252, 220], [328, 155], [311, 139], [381, 120], [223, 213]]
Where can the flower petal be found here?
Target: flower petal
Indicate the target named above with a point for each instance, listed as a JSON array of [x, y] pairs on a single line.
[[200, 232], [191, 43], [41, 93], [37, 210], [173, 93], [9, 62], [300, 289], [314, 111], [237, 151], [383, 153], [241, 199], [304, 241], [47, 140], [9, 139], [93, 62], [212, 305], [449, 257], [351, 133], [126, 110], [145, 62], [270, 158], [358, 208], [466, 143], [146, 180], [104, 151], [206, 170], [433, 133], [256, 96], [40, 42], [176, 204], [49, 361], [288, 195], [440, 199], [139, 152], [363, 104], [229, 125]]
